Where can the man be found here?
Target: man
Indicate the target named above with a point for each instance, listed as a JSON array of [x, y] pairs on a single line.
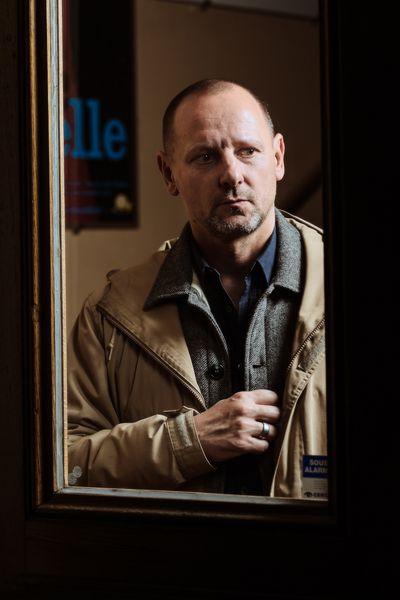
[[203, 369]]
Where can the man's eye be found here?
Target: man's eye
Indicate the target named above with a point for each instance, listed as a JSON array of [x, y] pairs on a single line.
[[204, 157], [247, 151]]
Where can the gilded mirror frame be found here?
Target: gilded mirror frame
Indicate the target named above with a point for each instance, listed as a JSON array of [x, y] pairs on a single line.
[[46, 435]]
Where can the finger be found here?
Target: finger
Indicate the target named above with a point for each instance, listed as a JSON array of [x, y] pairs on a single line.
[[258, 446], [264, 396], [271, 414], [272, 433]]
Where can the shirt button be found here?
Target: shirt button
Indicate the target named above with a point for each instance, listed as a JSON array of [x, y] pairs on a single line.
[[216, 371]]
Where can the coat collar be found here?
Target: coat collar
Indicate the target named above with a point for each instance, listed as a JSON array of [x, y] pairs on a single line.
[[288, 265], [175, 276], [312, 304], [174, 280]]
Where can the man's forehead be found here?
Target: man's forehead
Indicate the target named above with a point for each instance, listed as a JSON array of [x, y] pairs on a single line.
[[217, 103], [218, 111], [209, 130]]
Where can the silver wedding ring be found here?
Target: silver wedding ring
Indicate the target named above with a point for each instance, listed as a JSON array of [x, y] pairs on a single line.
[[265, 430]]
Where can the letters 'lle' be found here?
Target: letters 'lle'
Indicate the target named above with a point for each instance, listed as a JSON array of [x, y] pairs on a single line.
[[114, 133]]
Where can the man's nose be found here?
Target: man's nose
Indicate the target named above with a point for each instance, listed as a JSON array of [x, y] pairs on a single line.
[[231, 173]]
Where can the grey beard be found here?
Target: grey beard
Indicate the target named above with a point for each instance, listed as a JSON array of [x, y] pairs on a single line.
[[227, 230]]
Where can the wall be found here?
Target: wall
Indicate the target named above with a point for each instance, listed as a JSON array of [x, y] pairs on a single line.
[[276, 57]]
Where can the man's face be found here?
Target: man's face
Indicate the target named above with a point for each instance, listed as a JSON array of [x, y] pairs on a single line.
[[224, 163]]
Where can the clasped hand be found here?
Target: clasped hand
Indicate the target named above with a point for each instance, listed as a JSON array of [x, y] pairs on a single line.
[[233, 425]]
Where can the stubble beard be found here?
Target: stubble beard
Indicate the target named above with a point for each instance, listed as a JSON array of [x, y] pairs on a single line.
[[227, 229]]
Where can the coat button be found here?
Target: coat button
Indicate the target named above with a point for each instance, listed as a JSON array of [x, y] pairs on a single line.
[[216, 371]]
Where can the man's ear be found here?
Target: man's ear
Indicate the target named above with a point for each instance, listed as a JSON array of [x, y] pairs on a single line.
[[163, 162], [279, 151]]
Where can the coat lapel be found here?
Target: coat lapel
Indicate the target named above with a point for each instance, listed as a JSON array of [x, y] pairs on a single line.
[[152, 320]]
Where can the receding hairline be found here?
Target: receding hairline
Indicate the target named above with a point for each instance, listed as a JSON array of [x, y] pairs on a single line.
[[200, 88]]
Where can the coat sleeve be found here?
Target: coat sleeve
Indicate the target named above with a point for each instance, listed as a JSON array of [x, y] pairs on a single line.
[[157, 452]]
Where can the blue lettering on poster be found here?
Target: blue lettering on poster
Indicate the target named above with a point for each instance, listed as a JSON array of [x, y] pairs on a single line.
[[87, 138]]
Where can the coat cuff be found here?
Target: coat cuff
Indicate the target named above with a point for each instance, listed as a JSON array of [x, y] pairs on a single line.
[[187, 447]]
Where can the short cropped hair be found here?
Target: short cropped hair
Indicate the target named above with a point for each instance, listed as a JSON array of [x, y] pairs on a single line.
[[198, 88]]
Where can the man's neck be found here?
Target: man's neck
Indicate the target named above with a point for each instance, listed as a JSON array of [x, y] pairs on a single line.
[[233, 259]]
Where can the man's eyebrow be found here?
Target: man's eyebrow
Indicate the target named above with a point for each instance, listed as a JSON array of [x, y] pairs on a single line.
[[202, 147], [250, 141]]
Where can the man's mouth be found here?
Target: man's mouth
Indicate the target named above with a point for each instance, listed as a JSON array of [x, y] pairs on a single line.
[[233, 201]]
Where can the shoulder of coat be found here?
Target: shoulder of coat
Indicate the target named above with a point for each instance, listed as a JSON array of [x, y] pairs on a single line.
[[304, 226]]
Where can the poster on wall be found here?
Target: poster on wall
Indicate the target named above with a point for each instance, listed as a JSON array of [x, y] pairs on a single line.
[[99, 114]]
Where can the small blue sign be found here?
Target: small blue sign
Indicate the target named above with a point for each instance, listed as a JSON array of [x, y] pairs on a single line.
[[315, 466]]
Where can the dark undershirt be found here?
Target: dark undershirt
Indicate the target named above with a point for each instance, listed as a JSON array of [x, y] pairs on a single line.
[[242, 473]]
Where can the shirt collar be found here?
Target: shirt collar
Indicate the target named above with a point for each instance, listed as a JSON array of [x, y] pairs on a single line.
[[265, 260]]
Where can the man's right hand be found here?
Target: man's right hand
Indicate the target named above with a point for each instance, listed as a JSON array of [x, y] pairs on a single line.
[[232, 426]]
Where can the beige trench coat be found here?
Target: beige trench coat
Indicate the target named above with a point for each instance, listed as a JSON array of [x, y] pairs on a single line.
[[133, 393]]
